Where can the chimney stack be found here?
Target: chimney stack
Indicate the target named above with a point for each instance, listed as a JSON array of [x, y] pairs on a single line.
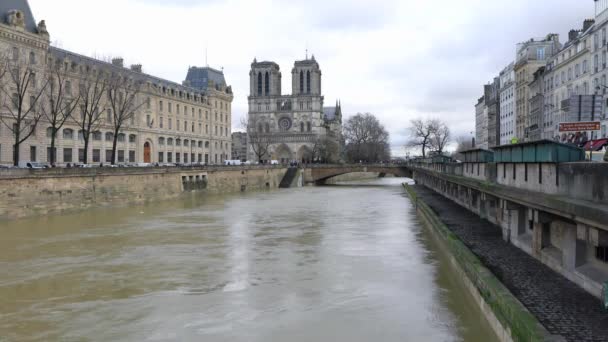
[[587, 24], [119, 62], [572, 35], [136, 67]]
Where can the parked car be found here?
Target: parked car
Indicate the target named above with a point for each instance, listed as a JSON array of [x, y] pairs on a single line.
[[32, 165], [232, 162]]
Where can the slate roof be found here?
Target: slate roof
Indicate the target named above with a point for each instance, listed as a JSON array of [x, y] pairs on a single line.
[[329, 113], [199, 77], [23, 6], [74, 57]]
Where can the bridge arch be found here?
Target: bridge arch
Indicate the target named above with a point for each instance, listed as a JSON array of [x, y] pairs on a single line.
[[320, 174]]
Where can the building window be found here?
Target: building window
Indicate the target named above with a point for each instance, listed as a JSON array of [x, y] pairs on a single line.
[[308, 82], [161, 141], [170, 142], [132, 138], [160, 106], [81, 155], [132, 156], [121, 156], [308, 126], [33, 153], [121, 137], [109, 136], [15, 54], [68, 134], [67, 155], [178, 142], [301, 82], [259, 84], [108, 156], [266, 85], [177, 157], [170, 124], [97, 136], [161, 157], [96, 155]]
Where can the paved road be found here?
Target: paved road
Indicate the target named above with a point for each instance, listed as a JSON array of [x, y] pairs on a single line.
[[560, 305]]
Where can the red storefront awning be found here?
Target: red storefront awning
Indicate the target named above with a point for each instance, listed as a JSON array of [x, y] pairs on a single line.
[[596, 145]]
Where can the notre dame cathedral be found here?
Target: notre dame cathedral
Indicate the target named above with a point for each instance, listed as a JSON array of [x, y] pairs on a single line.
[[294, 127]]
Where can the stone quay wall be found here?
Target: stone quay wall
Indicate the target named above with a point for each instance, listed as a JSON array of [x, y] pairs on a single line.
[[507, 316], [27, 193]]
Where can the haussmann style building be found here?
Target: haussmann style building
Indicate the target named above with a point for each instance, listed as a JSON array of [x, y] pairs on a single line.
[[175, 123]]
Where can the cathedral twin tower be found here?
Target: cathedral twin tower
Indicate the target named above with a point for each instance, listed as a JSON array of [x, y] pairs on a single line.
[[266, 77]]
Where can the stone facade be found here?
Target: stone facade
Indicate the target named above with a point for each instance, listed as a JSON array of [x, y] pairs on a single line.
[[530, 56], [507, 105], [292, 125], [176, 123]]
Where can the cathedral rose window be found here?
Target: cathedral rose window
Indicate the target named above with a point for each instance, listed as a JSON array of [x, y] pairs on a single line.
[[285, 124]]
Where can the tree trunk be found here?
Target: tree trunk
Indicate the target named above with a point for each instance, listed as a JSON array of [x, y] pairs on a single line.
[[53, 137], [114, 142], [86, 147], [16, 147]]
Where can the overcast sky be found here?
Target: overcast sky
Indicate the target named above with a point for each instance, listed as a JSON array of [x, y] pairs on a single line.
[[398, 59]]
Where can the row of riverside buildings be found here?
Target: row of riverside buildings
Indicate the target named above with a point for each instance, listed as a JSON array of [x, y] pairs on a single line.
[[549, 83], [177, 123]]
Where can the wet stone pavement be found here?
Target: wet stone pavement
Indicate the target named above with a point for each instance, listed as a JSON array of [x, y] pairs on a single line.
[[560, 305]]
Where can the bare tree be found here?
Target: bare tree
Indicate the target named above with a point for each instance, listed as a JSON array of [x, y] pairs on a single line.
[[91, 91], [440, 138], [366, 139], [463, 143], [421, 134], [123, 93], [259, 142], [21, 90], [58, 103], [325, 150]]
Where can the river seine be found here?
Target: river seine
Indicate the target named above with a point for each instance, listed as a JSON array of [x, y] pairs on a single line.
[[338, 263]]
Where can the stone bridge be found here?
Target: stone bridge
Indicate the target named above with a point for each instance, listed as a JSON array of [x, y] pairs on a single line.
[[318, 174]]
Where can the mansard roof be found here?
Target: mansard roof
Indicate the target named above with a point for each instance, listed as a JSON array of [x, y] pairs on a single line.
[[74, 57], [199, 77], [21, 5]]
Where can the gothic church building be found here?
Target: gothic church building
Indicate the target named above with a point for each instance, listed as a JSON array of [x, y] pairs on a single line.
[[294, 125]]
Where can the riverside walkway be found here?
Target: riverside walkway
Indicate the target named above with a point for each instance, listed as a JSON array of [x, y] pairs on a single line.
[[561, 306]]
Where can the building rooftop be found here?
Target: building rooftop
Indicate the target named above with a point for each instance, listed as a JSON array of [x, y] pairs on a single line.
[[199, 77], [23, 6]]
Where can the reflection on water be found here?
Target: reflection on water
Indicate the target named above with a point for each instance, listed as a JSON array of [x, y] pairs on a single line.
[[339, 263]]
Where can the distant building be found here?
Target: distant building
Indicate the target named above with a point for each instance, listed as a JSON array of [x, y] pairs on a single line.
[[481, 123], [530, 56], [492, 102], [537, 105], [507, 105], [239, 146], [568, 74]]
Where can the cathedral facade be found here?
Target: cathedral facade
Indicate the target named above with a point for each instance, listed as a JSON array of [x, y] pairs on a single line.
[[294, 127]]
